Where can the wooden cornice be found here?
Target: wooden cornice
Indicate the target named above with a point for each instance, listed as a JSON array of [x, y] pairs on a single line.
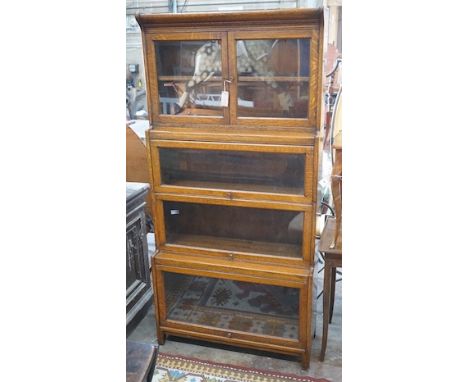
[[290, 16]]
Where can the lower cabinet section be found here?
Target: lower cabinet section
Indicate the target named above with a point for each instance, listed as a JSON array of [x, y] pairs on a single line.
[[267, 309]]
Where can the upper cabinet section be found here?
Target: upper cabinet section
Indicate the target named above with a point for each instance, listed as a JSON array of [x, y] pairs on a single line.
[[244, 69]]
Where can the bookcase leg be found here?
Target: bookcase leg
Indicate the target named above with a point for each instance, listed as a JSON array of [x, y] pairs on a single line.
[[161, 338], [305, 360]]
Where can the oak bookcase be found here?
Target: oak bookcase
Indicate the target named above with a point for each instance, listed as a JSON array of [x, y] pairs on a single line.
[[234, 103]]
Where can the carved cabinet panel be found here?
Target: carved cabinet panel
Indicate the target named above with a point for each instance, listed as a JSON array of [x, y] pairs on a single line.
[[139, 290]]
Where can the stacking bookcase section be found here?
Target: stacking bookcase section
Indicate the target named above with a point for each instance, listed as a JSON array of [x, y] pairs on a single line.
[[259, 231], [265, 308], [222, 75], [234, 170]]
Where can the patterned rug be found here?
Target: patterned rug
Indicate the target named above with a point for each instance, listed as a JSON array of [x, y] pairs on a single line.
[[236, 305], [171, 368]]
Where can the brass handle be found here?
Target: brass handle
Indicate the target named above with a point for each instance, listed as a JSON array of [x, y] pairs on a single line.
[[229, 335], [231, 256]]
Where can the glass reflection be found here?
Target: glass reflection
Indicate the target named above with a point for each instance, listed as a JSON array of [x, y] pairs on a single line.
[[273, 78], [189, 74]]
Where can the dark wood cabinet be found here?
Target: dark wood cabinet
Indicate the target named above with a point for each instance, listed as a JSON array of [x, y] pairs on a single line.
[[139, 291], [234, 105]]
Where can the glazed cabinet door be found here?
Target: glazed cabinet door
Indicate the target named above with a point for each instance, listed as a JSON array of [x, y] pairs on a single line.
[[265, 232], [274, 77], [234, 171], [186, 73]]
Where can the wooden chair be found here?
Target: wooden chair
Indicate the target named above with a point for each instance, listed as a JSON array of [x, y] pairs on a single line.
[[332, 257]]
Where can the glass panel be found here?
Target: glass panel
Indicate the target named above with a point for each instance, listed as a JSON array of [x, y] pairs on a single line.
[[233, 170], [233, 305], [189, 77], [273, 78], [237, 229]]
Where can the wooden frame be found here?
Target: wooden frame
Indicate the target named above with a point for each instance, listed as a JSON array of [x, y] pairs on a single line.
[[310, 175], [301, 280], [152, 74]]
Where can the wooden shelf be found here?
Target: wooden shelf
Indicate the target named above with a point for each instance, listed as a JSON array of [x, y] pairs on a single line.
[[186, 78], [200, 112], [275, 78], [236, 245], [241, 78]]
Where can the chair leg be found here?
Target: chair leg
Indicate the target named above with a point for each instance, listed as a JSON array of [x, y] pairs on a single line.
[[326, 309], [149, 378], [332, 292]]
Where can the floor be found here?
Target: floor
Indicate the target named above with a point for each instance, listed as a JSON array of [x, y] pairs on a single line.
[[329, 369]]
